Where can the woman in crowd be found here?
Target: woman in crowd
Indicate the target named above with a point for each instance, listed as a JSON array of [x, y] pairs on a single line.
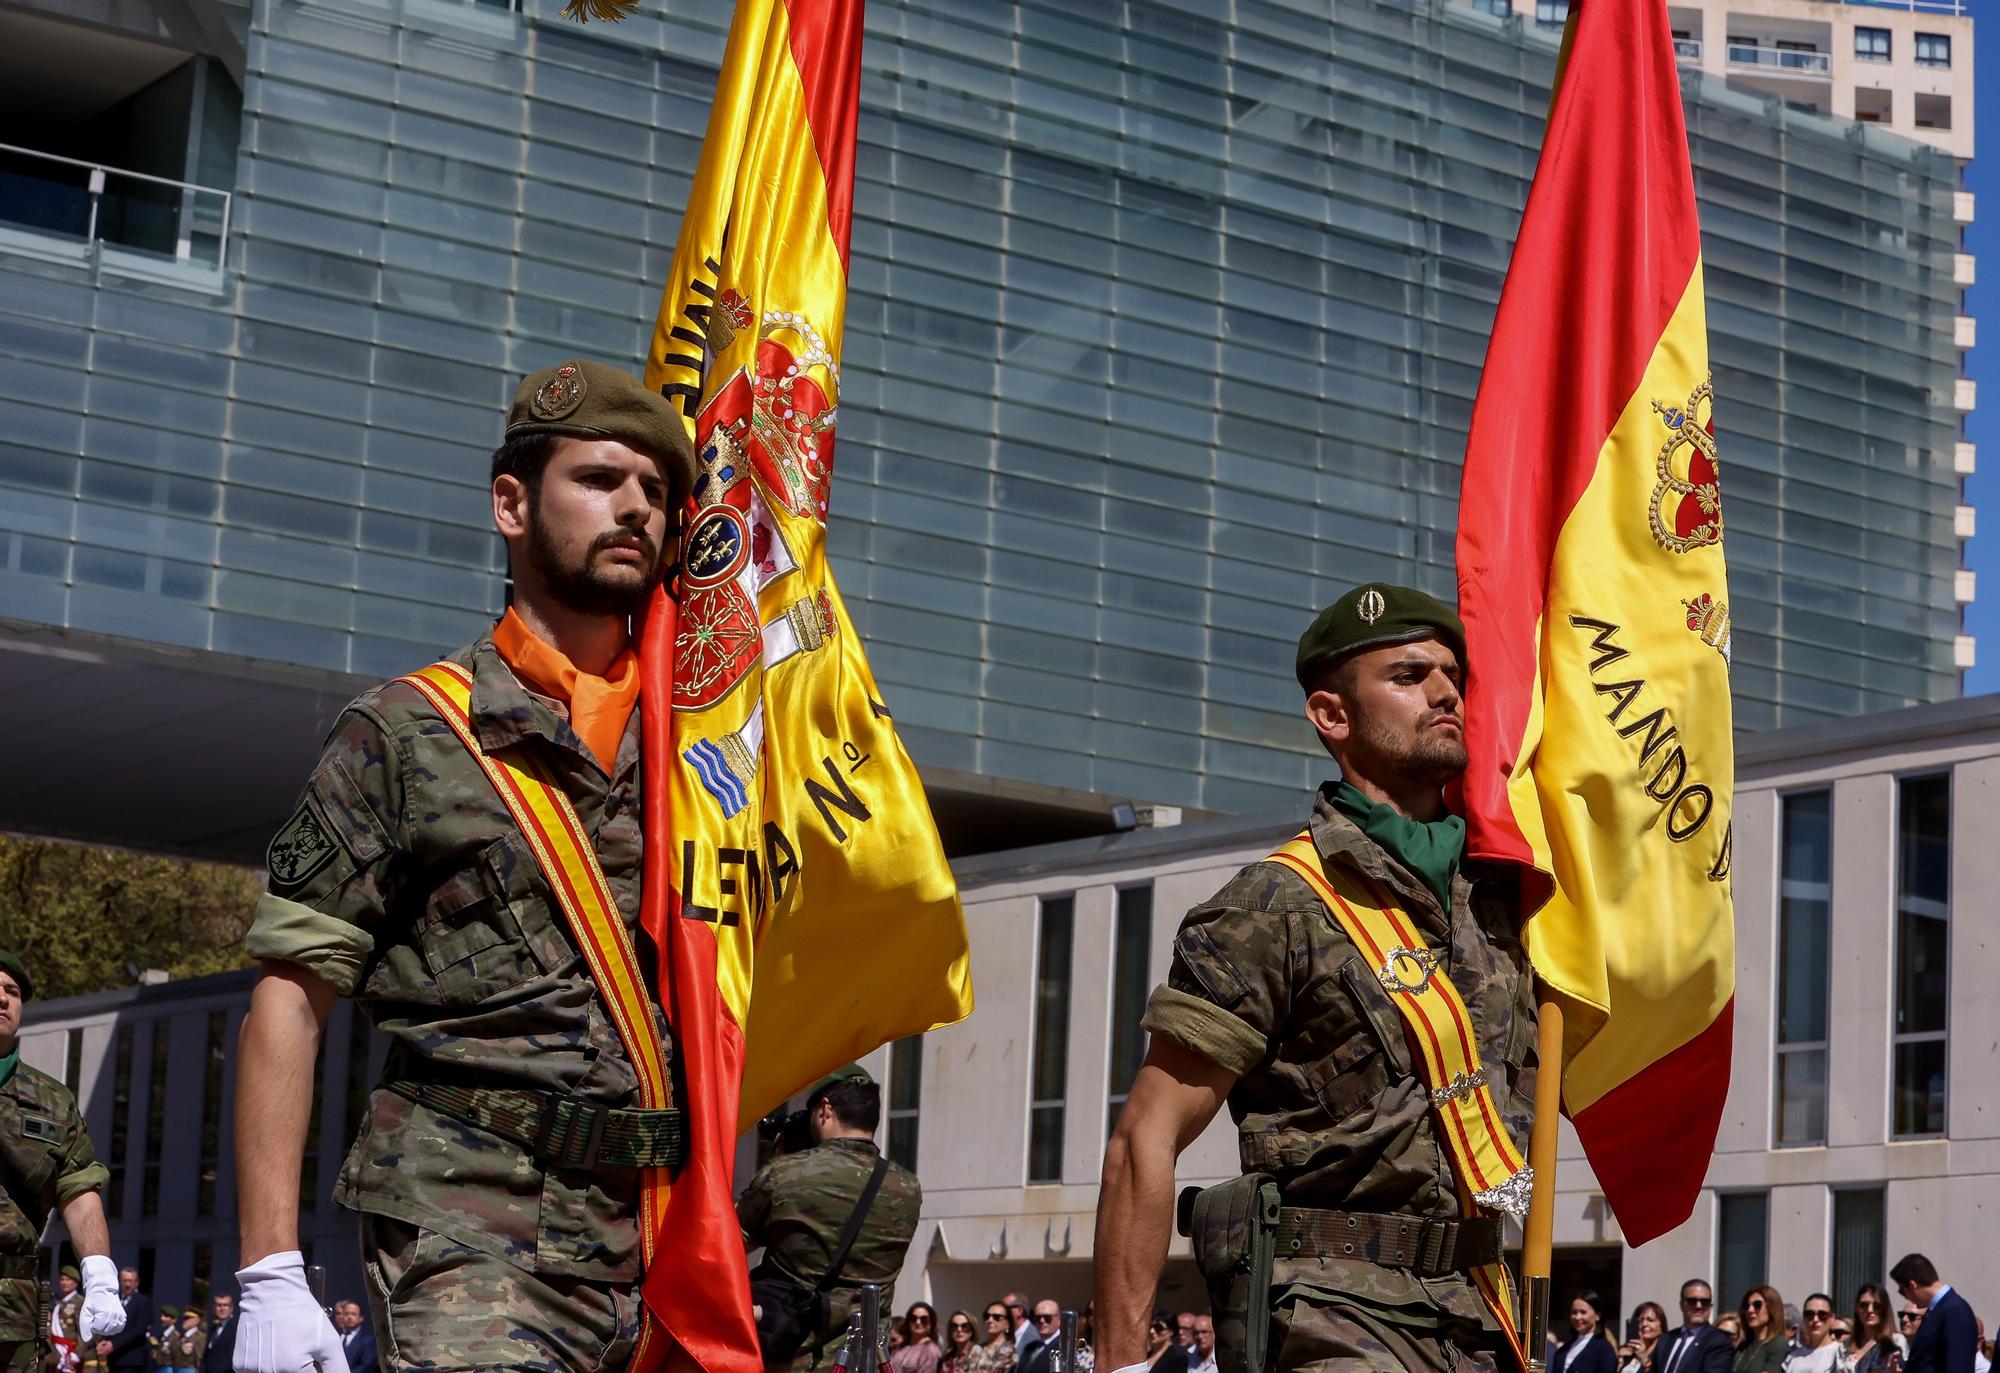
[[958, 1343], [1731, 1324], [1764, 1344], [921, 1353], [1649, 1322], [1086, 1333], [1588, 1350], [1875, 1337], [995, 1353], [1163, 1352]]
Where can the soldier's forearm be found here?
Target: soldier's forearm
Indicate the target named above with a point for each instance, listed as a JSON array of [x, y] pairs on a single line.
[[274, 1092], [83, 1217], [1134, 1209]]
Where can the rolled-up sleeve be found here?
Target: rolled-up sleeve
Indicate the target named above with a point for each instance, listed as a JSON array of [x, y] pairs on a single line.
[[1228, 987]]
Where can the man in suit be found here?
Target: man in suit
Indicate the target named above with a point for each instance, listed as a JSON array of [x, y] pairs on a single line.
[[220, 1356], [128, 1350], [1694, 1346], [1948, 1338], [357, 1340]]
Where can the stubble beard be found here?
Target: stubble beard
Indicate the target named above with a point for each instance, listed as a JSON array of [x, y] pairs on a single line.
[[583, 587], [1433, 758]]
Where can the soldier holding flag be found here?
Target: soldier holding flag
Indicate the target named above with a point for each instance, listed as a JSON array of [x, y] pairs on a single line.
[[1288, 995]]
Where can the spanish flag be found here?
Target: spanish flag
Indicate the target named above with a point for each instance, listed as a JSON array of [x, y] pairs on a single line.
[[1596, 609], [795, 886]]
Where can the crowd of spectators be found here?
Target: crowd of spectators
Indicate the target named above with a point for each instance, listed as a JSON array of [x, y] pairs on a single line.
[[1935, 1331], [181, 1339], [1012, 1335]]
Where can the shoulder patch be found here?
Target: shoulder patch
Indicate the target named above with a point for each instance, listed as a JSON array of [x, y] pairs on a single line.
[[300, 848], [37, 1127]]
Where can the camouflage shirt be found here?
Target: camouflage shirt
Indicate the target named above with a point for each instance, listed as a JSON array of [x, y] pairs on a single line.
[[402, 880], [1329, 1099], [45, 1163], [797, 1206]]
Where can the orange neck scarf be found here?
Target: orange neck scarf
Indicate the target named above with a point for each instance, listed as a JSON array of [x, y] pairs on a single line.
[[599, 707]]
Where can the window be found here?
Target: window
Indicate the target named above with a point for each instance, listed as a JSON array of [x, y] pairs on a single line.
[[1871, 45], [1857, 1238], [121, 1117], [1551, 14], [156, 1120], [1499, 8], [1743, 1229], [1803, 969], [1931, 111], [1933, 50], [211, 1116], [1131, 981], [906, 1081], [1051, 1063], [1871, 106], [204, 1275], [73, 1064], [1923, 926]]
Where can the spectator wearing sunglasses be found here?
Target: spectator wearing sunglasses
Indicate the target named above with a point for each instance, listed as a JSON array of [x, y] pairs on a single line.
[[1694, 1346], [1164, 1353], [1818, 1351], [961, 1337], [1764, 1343], [921, 1352], [1875, 1338], [995, 1352]]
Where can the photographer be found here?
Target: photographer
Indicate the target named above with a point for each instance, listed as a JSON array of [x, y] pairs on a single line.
[[829, 1218]]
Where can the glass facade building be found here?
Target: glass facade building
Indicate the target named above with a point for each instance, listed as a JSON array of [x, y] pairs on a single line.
[[1165, 325]]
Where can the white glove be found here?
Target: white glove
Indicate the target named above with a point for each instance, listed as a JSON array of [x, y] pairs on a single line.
[[283, 1330], [1140, 1367], [102, 1314]]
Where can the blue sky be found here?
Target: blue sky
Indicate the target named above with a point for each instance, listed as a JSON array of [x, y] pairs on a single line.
[[1982, 489]]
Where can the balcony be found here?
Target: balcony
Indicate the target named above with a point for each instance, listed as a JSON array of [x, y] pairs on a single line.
[[75, 211], [1765, 61], [1688, 50]]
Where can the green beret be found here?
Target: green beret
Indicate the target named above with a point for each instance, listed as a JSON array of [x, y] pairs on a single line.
[[853, 1072], [173, 1311], [11, 961], [588, 400], [1374, 615], [69, 1271]]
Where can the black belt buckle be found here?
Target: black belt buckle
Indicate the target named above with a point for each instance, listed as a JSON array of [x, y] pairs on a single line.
[[571, 1133]]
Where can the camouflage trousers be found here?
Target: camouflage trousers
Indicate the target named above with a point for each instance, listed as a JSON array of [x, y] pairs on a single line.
[[441, 1307], [1310, 1336], [20, 1357]]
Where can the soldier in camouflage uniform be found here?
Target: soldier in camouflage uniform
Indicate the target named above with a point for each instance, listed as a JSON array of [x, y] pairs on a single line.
[[1270, 1007], [499, 1226], [798, 1205], [46, 1166]]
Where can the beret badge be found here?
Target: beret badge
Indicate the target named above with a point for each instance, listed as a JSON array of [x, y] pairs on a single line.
[[559, 396]]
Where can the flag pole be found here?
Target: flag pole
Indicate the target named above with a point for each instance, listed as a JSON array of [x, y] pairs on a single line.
[[1538, 1233]]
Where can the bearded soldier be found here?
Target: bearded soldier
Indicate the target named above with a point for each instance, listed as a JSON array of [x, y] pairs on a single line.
[[498, 1165], [1288, 996], [46, 1165]]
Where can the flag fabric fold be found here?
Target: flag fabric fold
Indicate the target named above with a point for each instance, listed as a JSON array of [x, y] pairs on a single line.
[[795, 886], [1593, 589]]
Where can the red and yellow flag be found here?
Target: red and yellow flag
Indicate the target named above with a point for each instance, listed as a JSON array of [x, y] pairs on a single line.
[[1591, 582], [794, 881]]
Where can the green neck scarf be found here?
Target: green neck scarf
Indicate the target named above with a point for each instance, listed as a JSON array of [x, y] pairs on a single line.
[[1430, 851], [9, 1061]]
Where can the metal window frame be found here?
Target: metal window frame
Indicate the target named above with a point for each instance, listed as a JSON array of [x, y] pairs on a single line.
[[1114, 1100], [1039, 1107], [1824, 893], [1918, 906]]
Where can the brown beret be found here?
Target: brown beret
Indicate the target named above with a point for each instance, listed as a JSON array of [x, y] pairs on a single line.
[[588, 400]]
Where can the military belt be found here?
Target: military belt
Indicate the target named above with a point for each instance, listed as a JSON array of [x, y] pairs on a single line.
[[560, 1131], [1429, 1247], [20, 1266]]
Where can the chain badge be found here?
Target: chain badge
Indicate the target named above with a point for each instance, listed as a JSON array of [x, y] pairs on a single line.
[[1394, 977]]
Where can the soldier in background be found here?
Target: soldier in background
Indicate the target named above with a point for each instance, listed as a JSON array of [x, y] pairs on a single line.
[[63, 1324], [45, 1166], [162, 1339], [1270, 1006], [798, 1205]]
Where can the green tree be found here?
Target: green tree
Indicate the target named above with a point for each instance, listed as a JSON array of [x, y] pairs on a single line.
[[80, 916]]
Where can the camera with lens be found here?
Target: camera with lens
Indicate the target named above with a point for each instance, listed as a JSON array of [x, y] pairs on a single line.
[[788, 1132]]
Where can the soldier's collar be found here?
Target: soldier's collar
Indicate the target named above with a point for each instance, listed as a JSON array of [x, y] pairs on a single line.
[[504, 712], [1340, 839]]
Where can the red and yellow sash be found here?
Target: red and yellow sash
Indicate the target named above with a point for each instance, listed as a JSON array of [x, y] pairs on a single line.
[[568, 861], [1488, 1168]]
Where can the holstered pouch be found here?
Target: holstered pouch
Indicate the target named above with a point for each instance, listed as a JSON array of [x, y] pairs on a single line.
[[1234, 1227]]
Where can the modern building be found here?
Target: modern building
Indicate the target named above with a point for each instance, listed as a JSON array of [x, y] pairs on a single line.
[[1165, 328], [1857, 1126]]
